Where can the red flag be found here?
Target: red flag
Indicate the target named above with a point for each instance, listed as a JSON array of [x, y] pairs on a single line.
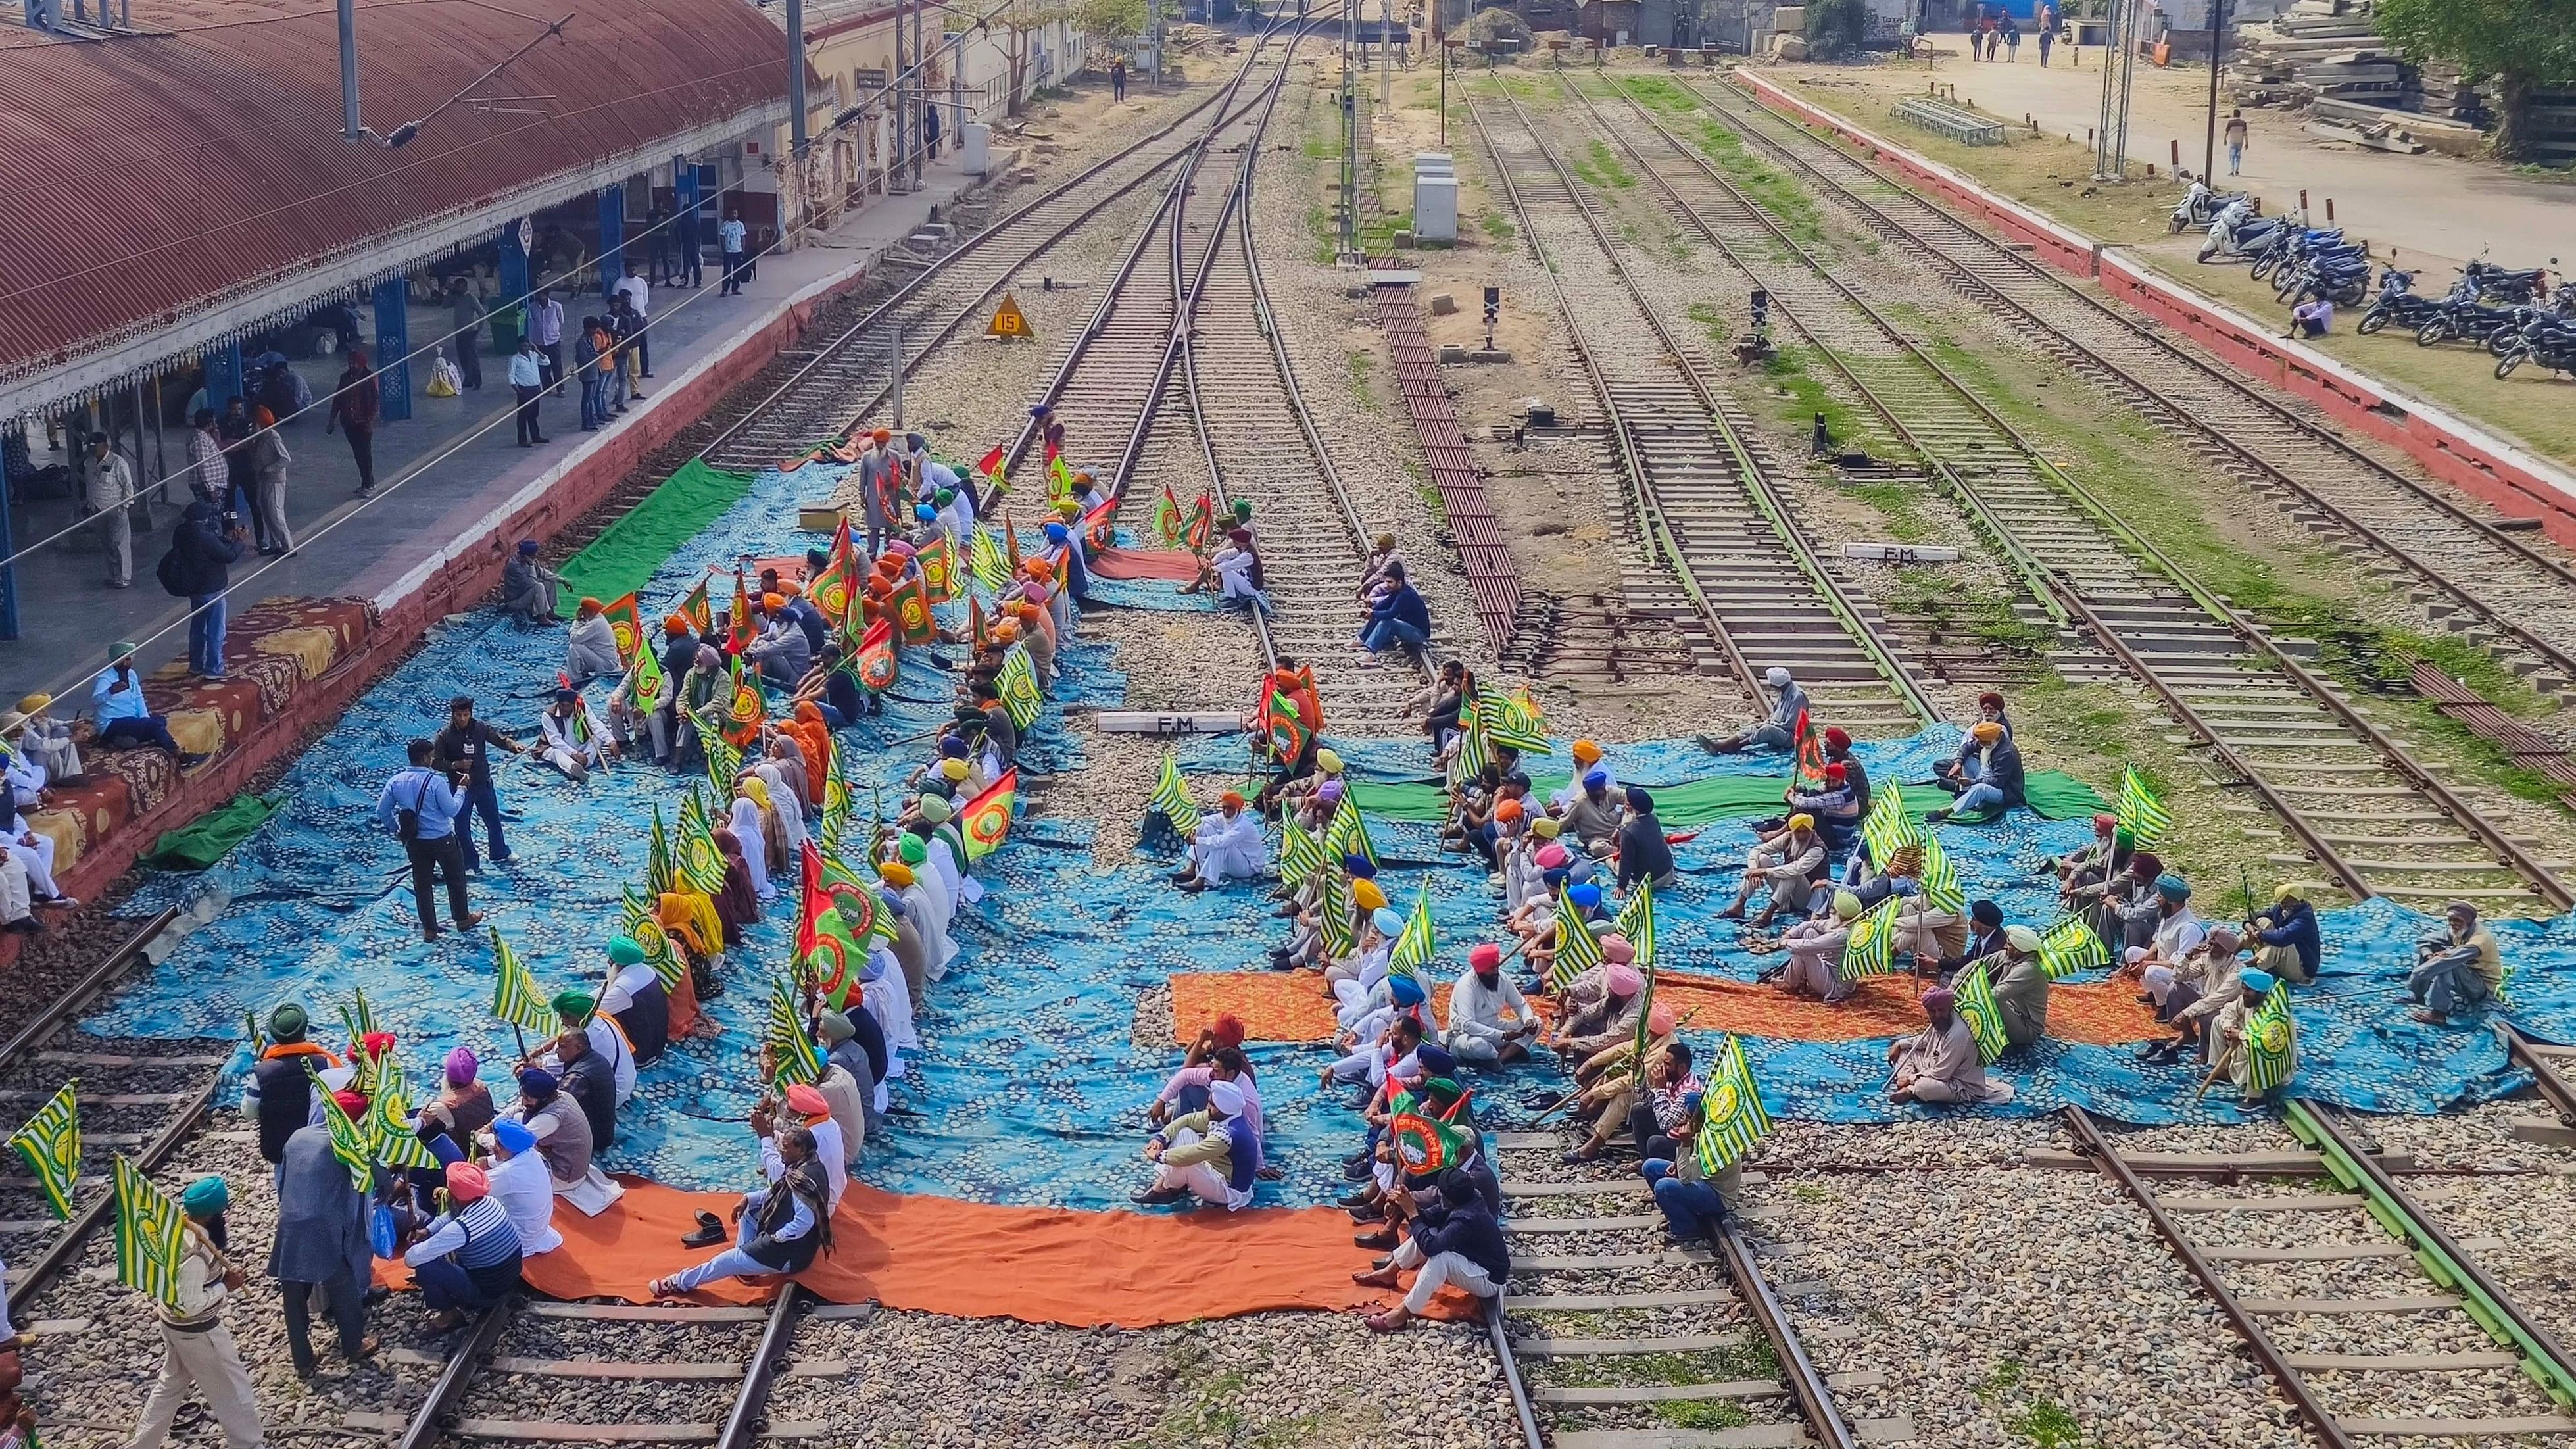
[[991, 462], [909, 607], [1811, 752], [626, 623], [877, 665]]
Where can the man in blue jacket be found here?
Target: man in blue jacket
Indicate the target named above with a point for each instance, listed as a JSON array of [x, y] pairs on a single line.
[[1456, 1242], [202, 553], [2286, 937], [1399, 619]]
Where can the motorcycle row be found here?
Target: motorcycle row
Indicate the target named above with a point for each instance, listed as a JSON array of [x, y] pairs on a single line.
[[2515, 315]]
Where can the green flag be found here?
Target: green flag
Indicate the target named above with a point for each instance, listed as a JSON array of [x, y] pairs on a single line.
[[1888, 828], [1299, 852], [1732, 1118], [1416, 945], [796, 1056], [1636, 922], [1576, 950], [51, 1145], [1870, 950], [1333, 911], [1941, 888], [2143, 817], [1514, 721], [348, 1140], [1018, 684], [148, 1235], [1172, 797], [1976, 1005], [644, 924], [2069, 946], [2271, 1043], [1346, 834], [516, 997], [394, 1141], [702, 865]]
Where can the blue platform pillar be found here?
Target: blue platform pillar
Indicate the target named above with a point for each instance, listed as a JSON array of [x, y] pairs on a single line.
[[612, 236], [513, 301], [13, 457], [393, 349], [223, 375]]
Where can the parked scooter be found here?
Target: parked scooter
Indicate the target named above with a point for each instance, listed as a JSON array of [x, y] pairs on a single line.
[[2200, 206], [2238, 234]]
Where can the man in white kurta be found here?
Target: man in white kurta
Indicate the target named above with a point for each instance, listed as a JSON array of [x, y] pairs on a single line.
[[1229, 846]]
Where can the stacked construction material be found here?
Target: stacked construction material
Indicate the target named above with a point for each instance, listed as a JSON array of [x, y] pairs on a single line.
[[2330, 60]]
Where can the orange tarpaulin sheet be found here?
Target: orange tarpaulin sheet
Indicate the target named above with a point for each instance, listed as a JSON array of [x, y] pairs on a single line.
[[1291, 1006], [979, 1260]]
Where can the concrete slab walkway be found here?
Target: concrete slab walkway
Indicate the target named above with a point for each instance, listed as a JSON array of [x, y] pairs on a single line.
[[453, 463]]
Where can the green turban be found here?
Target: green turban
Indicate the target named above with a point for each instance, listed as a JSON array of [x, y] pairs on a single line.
[[205, 1198], [625, 951], [914, 852], [287, 1023], [573, 1005], [936, 809]]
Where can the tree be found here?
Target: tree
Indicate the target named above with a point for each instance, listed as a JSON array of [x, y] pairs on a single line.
[[2521, 44], [1834, 28]]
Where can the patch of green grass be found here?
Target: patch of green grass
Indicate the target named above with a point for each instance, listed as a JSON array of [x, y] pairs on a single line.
[[1809, 1192], [1605, 169], [1363, 368], [1322, 148], [1955, 613], [2047, 1425], [1807, 396], [1703, 1414], [1497, 226], [1772, 189]]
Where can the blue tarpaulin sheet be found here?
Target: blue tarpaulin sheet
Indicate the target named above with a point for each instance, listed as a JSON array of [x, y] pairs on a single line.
[[1030, 1087]]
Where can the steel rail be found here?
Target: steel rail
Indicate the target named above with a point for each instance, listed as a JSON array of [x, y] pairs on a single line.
[[741, 1423], [1806, 1382], [1969, 280], [428, 1423], [2512, 855], [1189, 162], [1757, 486], [2543, 1359], [2553, 1088], [2321, 1424], [877, 316], [1656, 530], [1522, 1408]]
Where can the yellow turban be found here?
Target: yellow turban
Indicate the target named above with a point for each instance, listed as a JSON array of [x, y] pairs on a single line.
[[34, 702], [1325, 760], [895, 873], [757, 790], [1802, 821], [1986, 731], [1585, 752], [953, 769], [1369, 897], [1546, 827]]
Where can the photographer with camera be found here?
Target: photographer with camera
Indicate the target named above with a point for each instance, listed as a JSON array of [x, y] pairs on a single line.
[[419, 807], [208, 542]]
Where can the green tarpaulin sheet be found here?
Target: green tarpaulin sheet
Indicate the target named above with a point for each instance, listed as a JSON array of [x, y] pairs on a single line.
[[2054, 795], [211, 836], [623, 559]]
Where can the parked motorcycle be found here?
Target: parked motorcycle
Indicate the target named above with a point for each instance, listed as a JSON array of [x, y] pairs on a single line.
[[2495, 284], [2464, 315], [2289, 244], [2200, 206], [2545, 340], [2560, 311], [2396, 303], [2332, 272]]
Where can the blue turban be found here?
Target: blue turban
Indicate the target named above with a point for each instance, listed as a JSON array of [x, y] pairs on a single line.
[[952, 746], [1387, 921], [1553, 878], [1595, 779], [205, 1198], [1358, 867], [1585, 896], [513, 1134], [1405, 990], [1638, 799], [1058, 533], [2173, 887], [1434, 1060], [536, 1083], [924, 512], [2259, 981]]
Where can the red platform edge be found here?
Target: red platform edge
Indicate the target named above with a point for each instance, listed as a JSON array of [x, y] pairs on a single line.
[[2486, 468]]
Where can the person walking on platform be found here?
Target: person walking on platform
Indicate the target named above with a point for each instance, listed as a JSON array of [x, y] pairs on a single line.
[[419, 807], [354, 410], [107, 485], [467, 743], [465, 321], [527, 385], [197, 1349], [546, 324]]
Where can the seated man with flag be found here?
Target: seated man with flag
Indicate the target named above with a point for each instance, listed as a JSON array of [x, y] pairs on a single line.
[[468, 1259], [1778, 731], [1942, 1064], [1229, 845], [570, 740], [2256, 1042], [1815, 948]]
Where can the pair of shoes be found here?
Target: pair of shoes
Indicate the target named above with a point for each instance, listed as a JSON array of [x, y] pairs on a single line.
[[709, 1232], [1355, 1200], [1578, 1155], [1367, 1213], [1159, 1196], [1356, 1171], [1379, 1240]]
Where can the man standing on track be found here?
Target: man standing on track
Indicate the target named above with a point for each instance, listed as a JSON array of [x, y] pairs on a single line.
[[197, 1349]]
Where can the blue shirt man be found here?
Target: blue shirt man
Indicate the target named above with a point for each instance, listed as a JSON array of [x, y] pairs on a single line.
[[124, 721], [431, 800]]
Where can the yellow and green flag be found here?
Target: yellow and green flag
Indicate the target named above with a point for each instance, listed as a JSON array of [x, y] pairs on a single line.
[[1416, 945], [1172, 797], [1636, 922], [1976, 993], [1870, 950], [2143, 817], [1018, 683], [2271, 1043], [1576, 949], [796, 1057], [1732, 1118], [395, 1142], [348, 1140], [148, 1235], [2070, 946], [51, 1145], [516, 997]]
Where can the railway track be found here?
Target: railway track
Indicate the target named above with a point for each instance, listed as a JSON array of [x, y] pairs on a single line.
[[1622, 1336], [851, 376], [2336, 1279], [1702, 479], [2515, 598], [2371, 818]]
